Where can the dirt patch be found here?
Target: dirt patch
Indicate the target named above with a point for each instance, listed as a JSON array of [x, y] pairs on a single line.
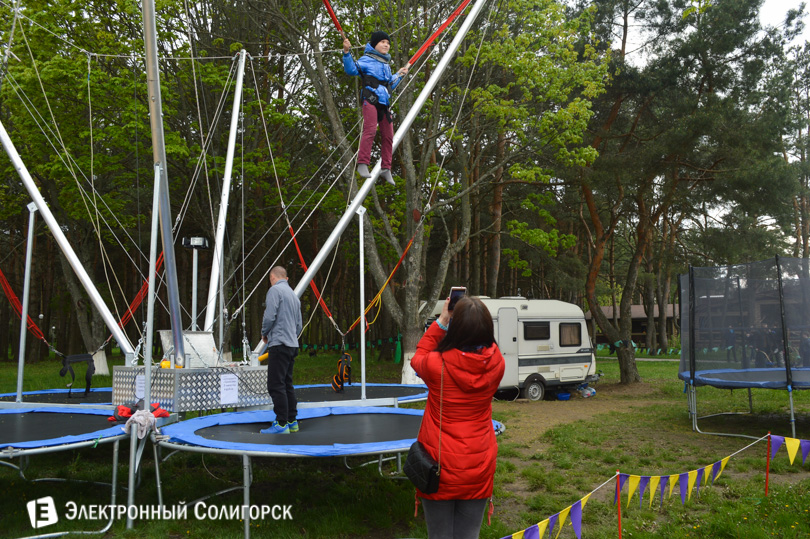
[[526, 421]]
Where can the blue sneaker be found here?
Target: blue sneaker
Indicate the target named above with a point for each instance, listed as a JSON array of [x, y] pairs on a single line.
[[275, 428], [293, 426]]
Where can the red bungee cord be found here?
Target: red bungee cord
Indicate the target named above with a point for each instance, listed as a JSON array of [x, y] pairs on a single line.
[[441, 29], [334, 18]]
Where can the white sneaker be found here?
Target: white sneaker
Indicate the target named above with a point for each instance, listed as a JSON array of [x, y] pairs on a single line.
[[385, 173], [362, 170]]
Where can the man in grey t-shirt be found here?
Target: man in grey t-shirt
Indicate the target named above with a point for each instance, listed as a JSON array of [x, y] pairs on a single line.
[[281, 326]]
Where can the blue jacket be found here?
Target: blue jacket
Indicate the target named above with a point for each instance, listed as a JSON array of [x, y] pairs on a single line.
[[375, 64]]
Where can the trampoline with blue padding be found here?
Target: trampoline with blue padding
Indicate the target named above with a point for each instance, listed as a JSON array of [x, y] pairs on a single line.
[[767, 378], [746, 326], [54, 429], [325, 432]]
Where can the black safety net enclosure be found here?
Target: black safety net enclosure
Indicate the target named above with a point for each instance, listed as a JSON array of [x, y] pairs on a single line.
[[747, 325]]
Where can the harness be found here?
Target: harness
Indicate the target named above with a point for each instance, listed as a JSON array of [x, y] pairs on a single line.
[[344, 374], [67, 367], [371, 82]]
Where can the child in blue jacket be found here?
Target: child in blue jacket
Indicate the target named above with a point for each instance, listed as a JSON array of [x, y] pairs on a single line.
[[378, 83]]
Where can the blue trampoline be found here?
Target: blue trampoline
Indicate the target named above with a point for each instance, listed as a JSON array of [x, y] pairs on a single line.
[[768, 378], [325, 432], [746, 326], [54, 429]]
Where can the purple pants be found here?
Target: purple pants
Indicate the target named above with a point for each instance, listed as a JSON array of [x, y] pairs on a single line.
[[369, 131]]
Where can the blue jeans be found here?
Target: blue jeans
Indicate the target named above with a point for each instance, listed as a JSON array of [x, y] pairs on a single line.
[[454, 519]]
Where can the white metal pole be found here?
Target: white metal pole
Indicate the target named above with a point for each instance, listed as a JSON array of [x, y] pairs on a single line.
[[195, 262], [213, 284], [360, 211], [364, 190], [159, 157], [150, 301], [64, 245], [32, 213]]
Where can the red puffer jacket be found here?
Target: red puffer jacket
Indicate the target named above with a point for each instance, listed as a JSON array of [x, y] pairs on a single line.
[[469, 449]]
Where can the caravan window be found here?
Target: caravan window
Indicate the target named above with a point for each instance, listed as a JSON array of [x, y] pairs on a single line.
[[536, 331], [570, 334]]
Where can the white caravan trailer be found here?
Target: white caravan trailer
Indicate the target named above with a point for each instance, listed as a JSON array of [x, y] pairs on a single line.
[[545, 343]]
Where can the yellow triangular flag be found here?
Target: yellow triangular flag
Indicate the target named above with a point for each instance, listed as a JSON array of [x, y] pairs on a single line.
[[563, 518], [541, 527], [673, 479], [585, 499], [632, 485], [792, 445], [518, 535], [707, 472], [692, 479], [654, 480], [722, 467]]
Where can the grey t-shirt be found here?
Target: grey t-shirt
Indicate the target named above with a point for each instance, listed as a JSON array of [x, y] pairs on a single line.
[[282, 316]]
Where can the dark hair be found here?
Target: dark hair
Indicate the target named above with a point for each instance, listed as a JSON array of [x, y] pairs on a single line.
[[470, 328]]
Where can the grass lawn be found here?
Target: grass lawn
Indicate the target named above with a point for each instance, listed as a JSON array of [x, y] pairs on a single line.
[[552, 454]]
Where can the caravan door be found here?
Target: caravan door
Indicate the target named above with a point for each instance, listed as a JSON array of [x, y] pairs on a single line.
[[508, 343]]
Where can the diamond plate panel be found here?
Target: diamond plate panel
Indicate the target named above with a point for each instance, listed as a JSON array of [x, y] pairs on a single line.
[[187, 390]]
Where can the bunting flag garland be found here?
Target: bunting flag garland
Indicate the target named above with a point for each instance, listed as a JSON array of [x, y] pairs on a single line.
[[792, 445], [686, 482]]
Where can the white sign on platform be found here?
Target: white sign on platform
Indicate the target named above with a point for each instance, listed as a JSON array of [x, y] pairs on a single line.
[[228, 389], [139, 386]]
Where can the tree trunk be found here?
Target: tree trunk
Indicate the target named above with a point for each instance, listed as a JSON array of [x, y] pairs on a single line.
[[496, 211]]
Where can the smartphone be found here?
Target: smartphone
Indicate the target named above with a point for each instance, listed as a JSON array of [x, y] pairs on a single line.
[[456, 293]]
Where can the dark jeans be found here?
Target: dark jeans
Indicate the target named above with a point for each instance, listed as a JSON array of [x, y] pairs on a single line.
[[454, 519], [280, 365]]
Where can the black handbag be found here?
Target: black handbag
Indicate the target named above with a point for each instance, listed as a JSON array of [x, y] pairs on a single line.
[[420, 467]]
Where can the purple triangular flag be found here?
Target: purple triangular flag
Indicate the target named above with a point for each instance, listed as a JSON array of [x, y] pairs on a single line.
[[664, 484], [700, 473], [776, 443], [622, 478], [552, 522], [683, 479], [532, 532], [576, 518], [642, 486], [716, 470], [805, 446]]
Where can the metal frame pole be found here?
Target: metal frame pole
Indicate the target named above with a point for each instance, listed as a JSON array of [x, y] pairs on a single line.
[[194, 266], [29, 249], [64, 245], [219, 246], [159, 156], [364, 190], [360, 213], [150, 302]]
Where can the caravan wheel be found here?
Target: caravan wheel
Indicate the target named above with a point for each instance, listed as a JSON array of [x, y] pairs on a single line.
[[534, 390]]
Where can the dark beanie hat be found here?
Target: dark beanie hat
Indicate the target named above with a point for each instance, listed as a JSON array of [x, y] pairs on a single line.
[[378, 36]]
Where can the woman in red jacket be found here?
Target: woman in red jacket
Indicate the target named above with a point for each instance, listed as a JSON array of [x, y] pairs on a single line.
[[464, 348]]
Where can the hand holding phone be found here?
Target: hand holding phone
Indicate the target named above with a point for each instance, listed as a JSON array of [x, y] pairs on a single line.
[[456, 293]]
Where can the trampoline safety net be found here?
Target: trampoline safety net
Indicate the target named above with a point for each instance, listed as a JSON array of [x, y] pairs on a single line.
[[743, 318]]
